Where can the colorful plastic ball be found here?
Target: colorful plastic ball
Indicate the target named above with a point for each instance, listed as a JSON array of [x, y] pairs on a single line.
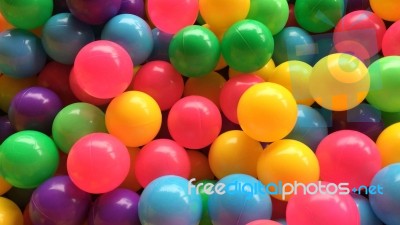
[[263, 222], [26, 14], [161, 42], [205, 216], [274, 118], [4, 24], [34, 108], [4, 186], [359, 33], [59, 201], [135, 7], [303, 167], [318, 16], [386, 10], [159, 158], [385, 84], [363, 118], [75, 121], [161, 81], [390, 42], [367, 216], [6, 128], [55, 76], [199, 167], [119, 206], [101, 10], [134, 118], [131, 181], [98, 163], [234, 148], [22, 53], [172, 16], [241, 202], [387, 143], [194, 51], [386, 202], [294, 75], [322, 207], [10, 214], [339, 82], [247, 45], [208, 86], [272, 13], [265, 72], [28, 158], [167, 201], [293, 43], [132, 33], [194, 122], [103, 69], [343, 155], [63, 36], [310, 127]]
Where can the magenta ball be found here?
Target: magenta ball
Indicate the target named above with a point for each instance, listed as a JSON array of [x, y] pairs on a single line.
[[160, 80], [59, 201], [194, 122], [94, 12], [119, 206], [34, 108], [391, 40], [348, 156]]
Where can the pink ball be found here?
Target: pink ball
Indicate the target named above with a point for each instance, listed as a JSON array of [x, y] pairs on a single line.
[[391, 40], [172, 15], [194, 122], [232, 91], [321, 207], [103, 69], [360, 32], [159, 158], [160, 80], [348, 156], [264, 222], [98, 163]]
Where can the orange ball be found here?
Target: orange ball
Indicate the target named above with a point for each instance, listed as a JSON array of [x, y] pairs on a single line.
[[199, 167]]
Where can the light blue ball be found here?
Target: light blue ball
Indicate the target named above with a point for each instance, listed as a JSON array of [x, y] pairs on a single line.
[[367, 216], [63, 36], [21, 53], [241, 203], [166, 201], [387, 205], [132, 33]]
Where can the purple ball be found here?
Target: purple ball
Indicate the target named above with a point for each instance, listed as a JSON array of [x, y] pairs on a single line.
[[59, 201], [34, 108], [94, 12], [135, 7], [119, 206], [6, 129]]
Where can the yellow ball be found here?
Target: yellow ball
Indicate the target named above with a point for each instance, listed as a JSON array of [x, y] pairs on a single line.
[[134, 118], [339, 82], [234, 152], [294, 75], [287, 161], [265, 72], [10, 214], [386, 9], [4, 186], [267, 112], [388, 143]]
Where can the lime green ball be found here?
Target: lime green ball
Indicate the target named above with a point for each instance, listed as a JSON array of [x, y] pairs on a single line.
[[247, 46], [28, 158], [75, 121], [272, 13], [194, 51]]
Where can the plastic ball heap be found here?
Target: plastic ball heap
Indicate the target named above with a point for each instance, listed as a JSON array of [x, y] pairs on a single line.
[[199, 112]]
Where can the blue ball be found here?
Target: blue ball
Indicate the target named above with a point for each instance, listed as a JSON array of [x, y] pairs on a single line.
[[161, 45], [310, 127], [293, 43], [63, 36], [132, 33], [21, 53], [244, 200], [367, 216], [387, 205], [167, 201]]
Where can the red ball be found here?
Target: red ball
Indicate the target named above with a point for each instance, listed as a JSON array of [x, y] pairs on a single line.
[[391, 40]]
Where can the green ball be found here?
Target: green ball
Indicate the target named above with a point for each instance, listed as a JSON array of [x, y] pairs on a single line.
[[194, 51], [384, 91], [75, 121], [318, 16], [26, 14], [247, 46], [205, 217], [28, 158], [272, 13]]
